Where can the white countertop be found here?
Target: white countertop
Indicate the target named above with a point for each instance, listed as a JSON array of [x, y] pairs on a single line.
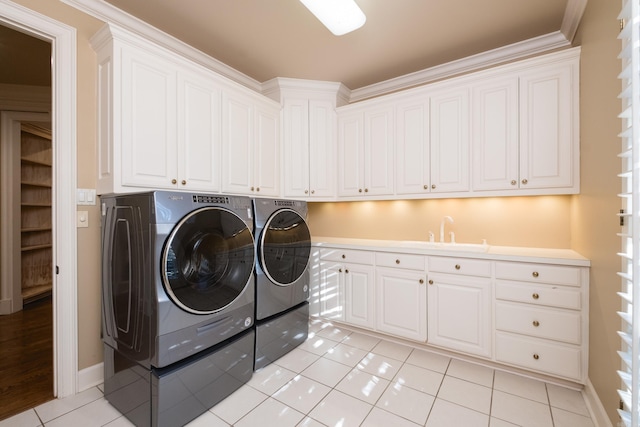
[[504, 253]]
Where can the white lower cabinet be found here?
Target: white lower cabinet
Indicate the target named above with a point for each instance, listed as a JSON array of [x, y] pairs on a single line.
[[459, 308], [529, 315], [541, 314]]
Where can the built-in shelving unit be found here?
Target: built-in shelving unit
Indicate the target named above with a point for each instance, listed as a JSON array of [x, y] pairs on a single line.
[[35, 204]]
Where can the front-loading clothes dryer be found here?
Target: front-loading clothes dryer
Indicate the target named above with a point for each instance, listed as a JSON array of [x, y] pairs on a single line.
[[177, 273], [283, 248]]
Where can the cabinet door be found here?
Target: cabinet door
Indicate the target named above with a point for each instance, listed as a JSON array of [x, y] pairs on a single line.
[[378, 151], [495, 134], [321, 155], [401, 303], [331, 290], [548, 128], [237, 143], [412, 147], [199, 133], [449, 139], [267, 150], [359, 295], [295, 137], [460, 313], [148, 117], [351, 154]]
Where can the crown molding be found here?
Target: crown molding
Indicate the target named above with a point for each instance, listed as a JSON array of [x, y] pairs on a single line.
[[111, 14], [572, 17], [501, 55]]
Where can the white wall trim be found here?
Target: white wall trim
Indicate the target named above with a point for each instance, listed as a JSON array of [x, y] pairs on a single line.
[[90, 377], [109, 13], [63, 41], [594, 405]]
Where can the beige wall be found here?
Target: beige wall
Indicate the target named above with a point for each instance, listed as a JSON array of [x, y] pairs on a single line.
[[89, 343], [594, 221], [586, 223]]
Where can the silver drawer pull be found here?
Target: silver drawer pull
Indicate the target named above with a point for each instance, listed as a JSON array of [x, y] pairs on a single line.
[[536, 323]]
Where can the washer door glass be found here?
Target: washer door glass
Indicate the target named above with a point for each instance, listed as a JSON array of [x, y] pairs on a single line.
[[285, 246], [207, 260]]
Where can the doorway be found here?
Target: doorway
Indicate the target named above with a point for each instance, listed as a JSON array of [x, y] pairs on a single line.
[[26, 227], [65, 246]]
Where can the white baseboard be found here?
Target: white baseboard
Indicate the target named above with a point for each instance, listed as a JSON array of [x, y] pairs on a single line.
[[90, 377], [596, 410]]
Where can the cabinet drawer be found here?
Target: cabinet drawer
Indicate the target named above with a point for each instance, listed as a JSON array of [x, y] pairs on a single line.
[[542, 273], [548, 295], [347, 255], [469, 267], [554, 324], [544, 356], [404, 261]]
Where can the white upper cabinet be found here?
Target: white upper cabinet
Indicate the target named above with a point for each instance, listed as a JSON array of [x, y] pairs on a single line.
[[525, 134], [159, 119], [549, 127], [413, 157], [449, 140], [495, 134], [365, 152], [199, 132], [309, 147], [251, 145]]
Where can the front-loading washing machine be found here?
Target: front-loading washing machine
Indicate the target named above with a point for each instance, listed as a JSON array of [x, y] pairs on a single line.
[[177, 281], [283, 247]]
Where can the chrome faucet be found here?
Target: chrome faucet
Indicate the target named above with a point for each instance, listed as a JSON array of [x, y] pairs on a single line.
[[444, 219]]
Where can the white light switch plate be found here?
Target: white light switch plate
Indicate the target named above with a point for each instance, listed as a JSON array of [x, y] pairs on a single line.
[[86, 196], [82, 219]]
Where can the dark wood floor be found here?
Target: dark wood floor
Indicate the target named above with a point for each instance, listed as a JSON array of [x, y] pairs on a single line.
[[26, 358]]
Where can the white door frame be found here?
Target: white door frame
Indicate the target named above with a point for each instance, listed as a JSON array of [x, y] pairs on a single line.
[[63, 119]]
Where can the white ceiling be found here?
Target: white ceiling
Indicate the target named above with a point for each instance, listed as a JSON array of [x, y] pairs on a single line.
[[280, 38]]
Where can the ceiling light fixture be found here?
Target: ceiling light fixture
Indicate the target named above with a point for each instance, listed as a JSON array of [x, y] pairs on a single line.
[[339, 16]]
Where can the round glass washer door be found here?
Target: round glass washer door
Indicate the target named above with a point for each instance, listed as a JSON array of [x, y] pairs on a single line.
[[207, 260], [285, 246]]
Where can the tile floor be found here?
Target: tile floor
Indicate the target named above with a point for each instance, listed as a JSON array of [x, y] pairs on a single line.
[[343, 378]]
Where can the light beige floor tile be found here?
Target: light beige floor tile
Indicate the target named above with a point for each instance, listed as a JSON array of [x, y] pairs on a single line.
[[467, 394], [297, 360], [23, 419], [339, 409], [326, 371], [270, 378], [318, 344], [334, 333], [419, 378], [207, 419], [521, 386], [55, 408], [567, 399], [519, 410], [97, 413], [447, 414], [302, 393], [361, 341], [381, 366], [406, 403], [562, 418], [346, 355], [393, 350], [271, 413], [379, 418], [429, 360], [471, 372], [363, 386]]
